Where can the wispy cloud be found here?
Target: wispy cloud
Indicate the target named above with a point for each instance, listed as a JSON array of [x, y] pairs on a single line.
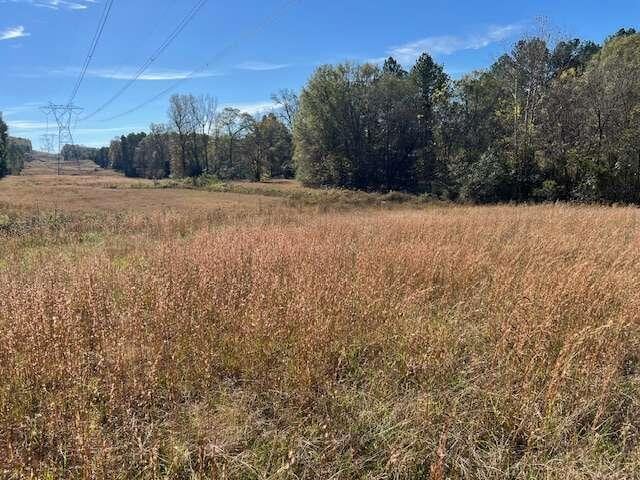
[[449, 44], [131, 128], [36, 126], [23, 125], [56, 4], [253, 108], [149, 75], [261, 66], [27, 107], [13, 32], [118, 73]]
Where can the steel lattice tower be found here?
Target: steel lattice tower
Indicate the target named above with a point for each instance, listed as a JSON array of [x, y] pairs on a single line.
[[63, 115], [47, 142]]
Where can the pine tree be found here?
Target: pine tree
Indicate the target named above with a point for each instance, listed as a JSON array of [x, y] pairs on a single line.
[[431, 81], [392, 67]]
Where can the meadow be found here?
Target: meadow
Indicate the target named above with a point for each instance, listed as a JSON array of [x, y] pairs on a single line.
[[263, 331]]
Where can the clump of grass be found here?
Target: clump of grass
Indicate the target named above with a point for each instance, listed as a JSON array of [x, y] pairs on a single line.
[[458, 342], [399, 197]]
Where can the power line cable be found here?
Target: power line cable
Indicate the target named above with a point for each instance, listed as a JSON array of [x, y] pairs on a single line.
[[154, 56], [249, 34], [147, 37], [92, 48]]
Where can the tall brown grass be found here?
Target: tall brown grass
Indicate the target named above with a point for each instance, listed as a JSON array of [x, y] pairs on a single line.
[[493, 342]]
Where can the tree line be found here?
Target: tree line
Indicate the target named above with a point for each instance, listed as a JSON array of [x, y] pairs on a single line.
[[13, 151], [200, 139], [543, 123], [547, 121]]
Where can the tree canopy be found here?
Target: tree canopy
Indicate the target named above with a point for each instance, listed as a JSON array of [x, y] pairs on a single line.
[[546, 121]]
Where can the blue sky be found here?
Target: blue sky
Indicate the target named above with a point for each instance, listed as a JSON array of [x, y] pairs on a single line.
[[43, 44]]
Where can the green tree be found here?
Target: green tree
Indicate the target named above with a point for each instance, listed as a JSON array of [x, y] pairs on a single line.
[[152, 155], [489, 180], [180, 121], [392, 67], [4, 144], [330, 137], [571, 55], [234, 125], [268, 146], [396, 134], [609, 94], [359, 127], [115, 154], [102, 157], [524, 76], [433, 94], [289, 104], [129, 144]]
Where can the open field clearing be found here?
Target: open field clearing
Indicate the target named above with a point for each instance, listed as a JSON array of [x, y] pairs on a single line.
[[110, 192], [40, 163], [83, 194], [177, 333], [233, 247]]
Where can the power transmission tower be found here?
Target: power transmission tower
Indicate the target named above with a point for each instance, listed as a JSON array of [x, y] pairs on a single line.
[[63, 115], [47, 142]]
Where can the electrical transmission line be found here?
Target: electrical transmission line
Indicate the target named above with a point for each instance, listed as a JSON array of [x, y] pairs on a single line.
[[247, 35], [64, 113], [154, 56], [147, 37], [92, 48]]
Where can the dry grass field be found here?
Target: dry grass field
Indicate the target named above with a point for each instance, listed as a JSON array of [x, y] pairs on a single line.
[[163, 333]]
